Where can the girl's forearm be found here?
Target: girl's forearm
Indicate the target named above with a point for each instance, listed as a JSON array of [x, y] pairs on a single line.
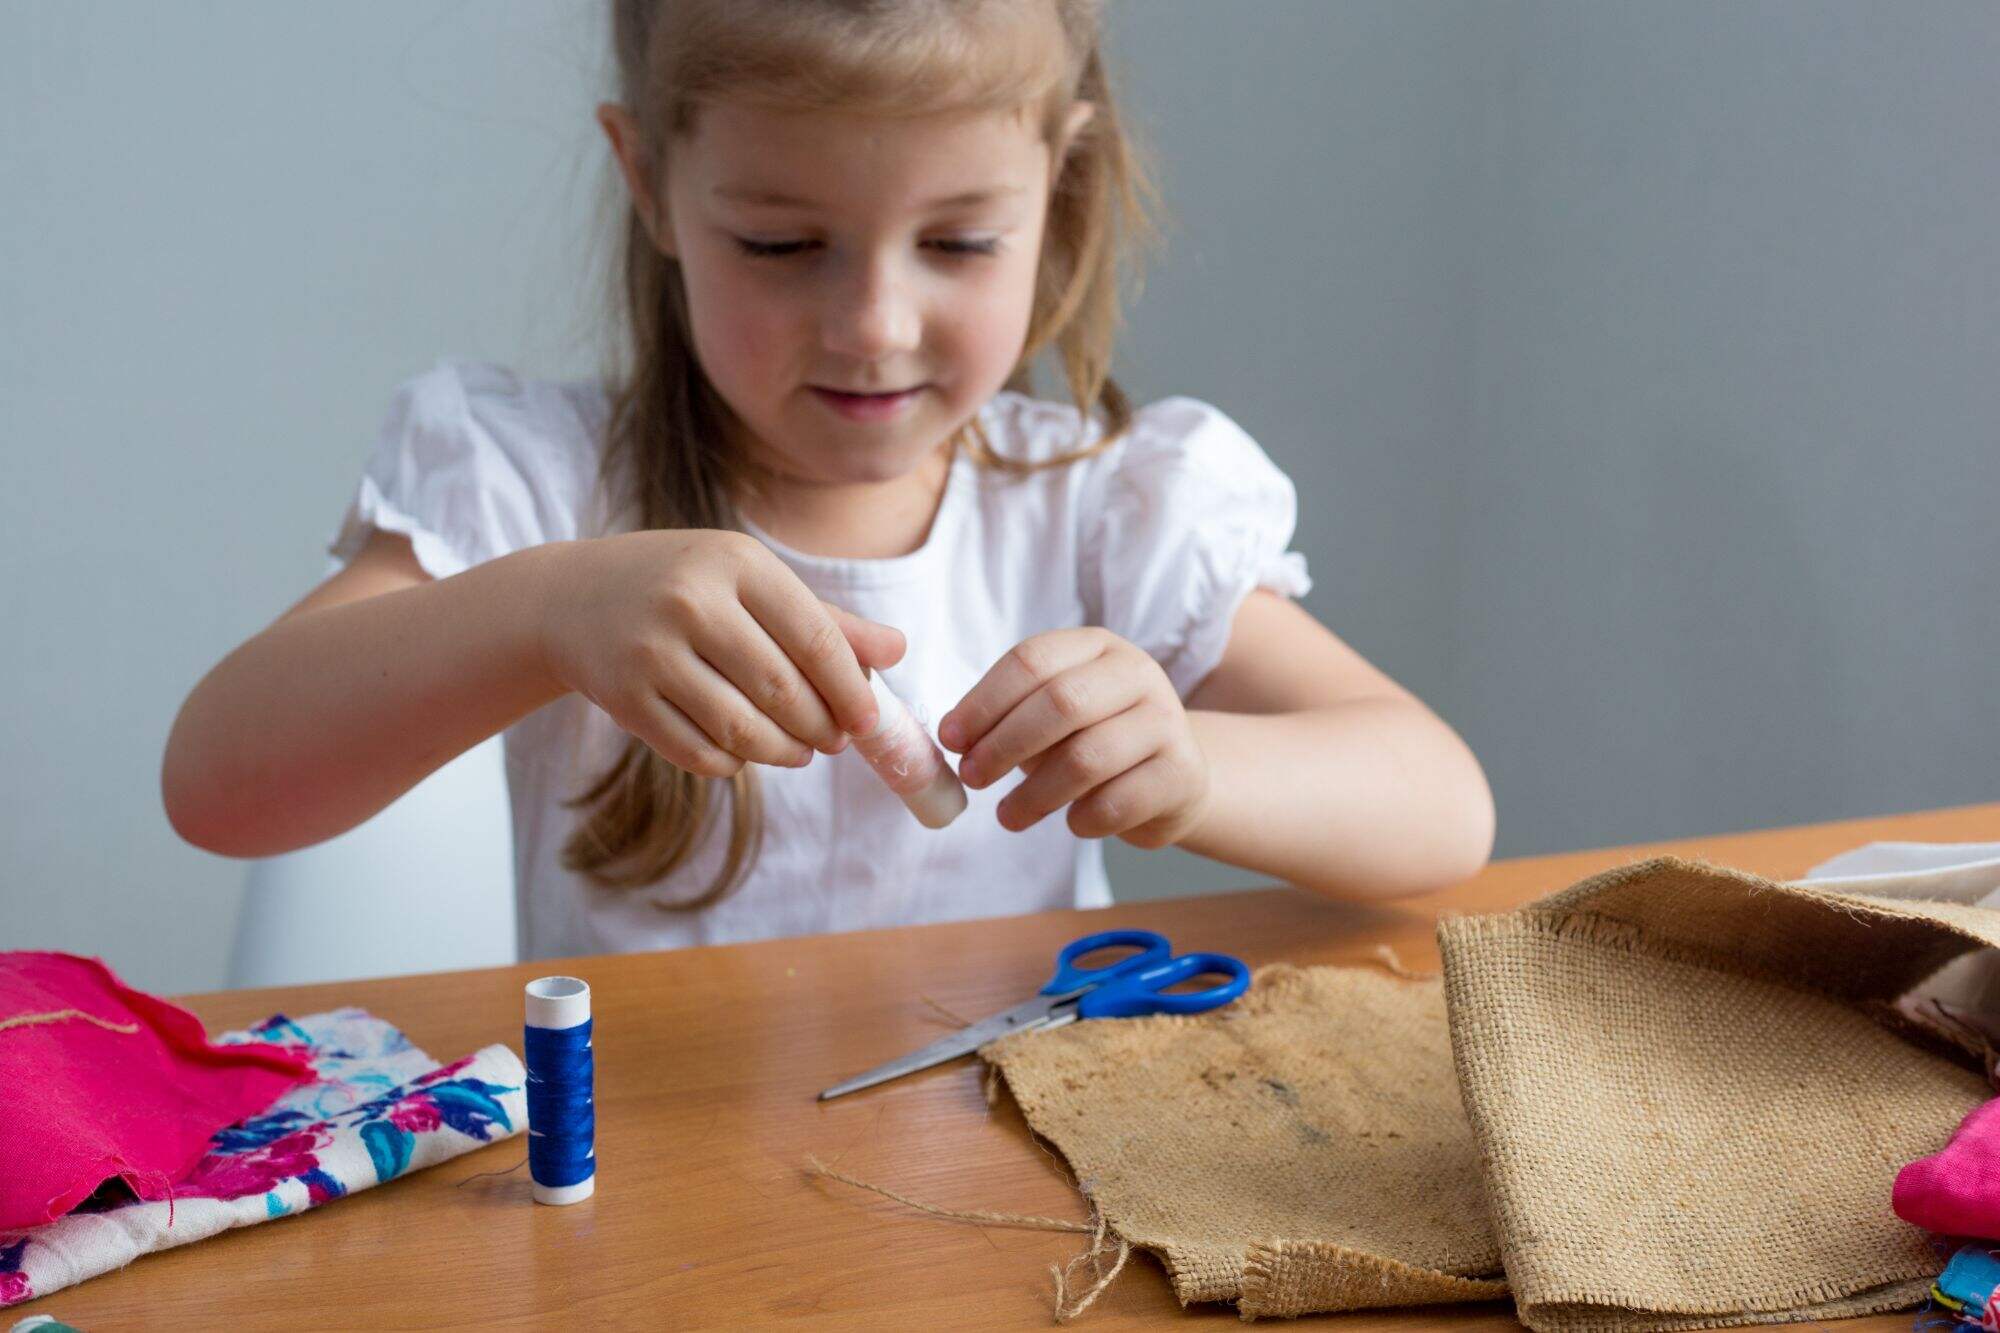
[[330, 714], [1369, 799]]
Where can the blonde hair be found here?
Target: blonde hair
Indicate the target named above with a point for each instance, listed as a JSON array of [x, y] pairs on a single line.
[[665, 452]]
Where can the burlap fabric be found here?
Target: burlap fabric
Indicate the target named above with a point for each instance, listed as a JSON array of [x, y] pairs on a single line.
[[1302, 1149], [1681, 1096]]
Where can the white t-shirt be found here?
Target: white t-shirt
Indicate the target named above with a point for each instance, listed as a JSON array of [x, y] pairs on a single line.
[[1159, 539]]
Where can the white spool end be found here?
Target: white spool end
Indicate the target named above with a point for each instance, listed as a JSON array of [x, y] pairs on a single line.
[[939, 801], [562, 1194], [557, 1002]]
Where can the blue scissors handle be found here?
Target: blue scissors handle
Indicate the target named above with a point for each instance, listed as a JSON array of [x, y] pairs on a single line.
[[1136, 984], [1144, 990], [1152, 946]]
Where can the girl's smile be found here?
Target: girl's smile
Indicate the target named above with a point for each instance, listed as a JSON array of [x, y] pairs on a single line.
[[868, 407]]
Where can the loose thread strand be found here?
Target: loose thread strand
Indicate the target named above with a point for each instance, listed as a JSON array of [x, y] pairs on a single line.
[[481, 1175], [59, 1015], [1097, 1249], [1098, 1229], [819, 1168]]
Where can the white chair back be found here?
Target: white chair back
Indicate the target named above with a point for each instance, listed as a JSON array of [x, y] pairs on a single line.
[[427, 885]]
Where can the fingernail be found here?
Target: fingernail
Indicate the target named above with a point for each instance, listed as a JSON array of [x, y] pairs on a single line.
[[951, 733], [839, 744], [865, 725]]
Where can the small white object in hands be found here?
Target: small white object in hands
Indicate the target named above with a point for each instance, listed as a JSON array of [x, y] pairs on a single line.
[[909, 761]]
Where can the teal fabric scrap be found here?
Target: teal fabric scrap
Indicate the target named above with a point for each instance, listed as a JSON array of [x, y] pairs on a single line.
[[1969, 1279]]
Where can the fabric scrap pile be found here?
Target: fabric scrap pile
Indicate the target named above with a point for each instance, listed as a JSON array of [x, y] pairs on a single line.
[[127, 1130], [1966, 1288], [1671, 1096], [1957, 1193]]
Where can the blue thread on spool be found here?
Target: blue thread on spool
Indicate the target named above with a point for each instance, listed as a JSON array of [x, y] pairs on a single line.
[[562, 1110]]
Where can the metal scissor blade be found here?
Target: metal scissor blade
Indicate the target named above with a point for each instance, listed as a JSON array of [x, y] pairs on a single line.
[[962, 1042]]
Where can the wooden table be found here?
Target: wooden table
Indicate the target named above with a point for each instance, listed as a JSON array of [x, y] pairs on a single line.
[[708, 1062]]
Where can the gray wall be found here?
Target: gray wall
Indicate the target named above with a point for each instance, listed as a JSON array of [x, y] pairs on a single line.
[[226, 232], [1639, 366], [1635, 364]]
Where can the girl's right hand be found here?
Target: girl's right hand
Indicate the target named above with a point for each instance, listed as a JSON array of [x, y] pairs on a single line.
[[707, 647]]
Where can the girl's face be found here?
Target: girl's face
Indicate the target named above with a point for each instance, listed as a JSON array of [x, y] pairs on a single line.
[[857, 285]]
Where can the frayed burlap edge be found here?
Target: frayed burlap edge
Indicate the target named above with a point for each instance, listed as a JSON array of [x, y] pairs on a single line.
[[1289, 1278], [1926, 934]]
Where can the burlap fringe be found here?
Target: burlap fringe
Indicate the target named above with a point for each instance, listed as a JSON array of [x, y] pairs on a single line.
[[1098, 1249], [1099, 1230], [61, 1015]]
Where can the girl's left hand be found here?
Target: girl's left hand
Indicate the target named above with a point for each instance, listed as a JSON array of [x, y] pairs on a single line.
[[1096, 725]]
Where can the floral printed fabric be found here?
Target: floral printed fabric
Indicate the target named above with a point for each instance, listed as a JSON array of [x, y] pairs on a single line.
[[378, 1108]]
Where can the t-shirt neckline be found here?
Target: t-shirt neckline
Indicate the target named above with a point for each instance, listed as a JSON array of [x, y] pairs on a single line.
[[880, 571]]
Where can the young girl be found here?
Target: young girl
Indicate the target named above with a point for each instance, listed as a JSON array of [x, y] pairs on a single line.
[[853, 224]]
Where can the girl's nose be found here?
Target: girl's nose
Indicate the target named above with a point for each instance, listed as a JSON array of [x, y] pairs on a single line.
[[871, 315]]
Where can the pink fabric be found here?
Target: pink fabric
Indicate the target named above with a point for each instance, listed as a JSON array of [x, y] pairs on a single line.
[[1957, 1192], [80, 1104]]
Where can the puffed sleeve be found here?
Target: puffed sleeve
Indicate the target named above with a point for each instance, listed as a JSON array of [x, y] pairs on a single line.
[[456, 470], [1193, 516]]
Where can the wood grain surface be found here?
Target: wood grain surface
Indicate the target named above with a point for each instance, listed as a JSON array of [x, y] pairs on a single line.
[[708, 1063]]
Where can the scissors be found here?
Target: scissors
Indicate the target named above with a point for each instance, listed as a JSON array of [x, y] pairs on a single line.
[[1127, 988]]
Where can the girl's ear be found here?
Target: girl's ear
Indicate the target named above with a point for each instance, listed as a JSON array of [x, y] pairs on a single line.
[[635, 165], [1080, 115]]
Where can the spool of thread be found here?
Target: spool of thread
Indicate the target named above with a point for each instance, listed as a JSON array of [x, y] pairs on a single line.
[[905, 757], [562, 1107]]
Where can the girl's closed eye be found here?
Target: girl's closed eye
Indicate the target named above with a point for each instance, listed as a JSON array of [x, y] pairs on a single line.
[[770, 249], [953, 246], [969, 246]]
